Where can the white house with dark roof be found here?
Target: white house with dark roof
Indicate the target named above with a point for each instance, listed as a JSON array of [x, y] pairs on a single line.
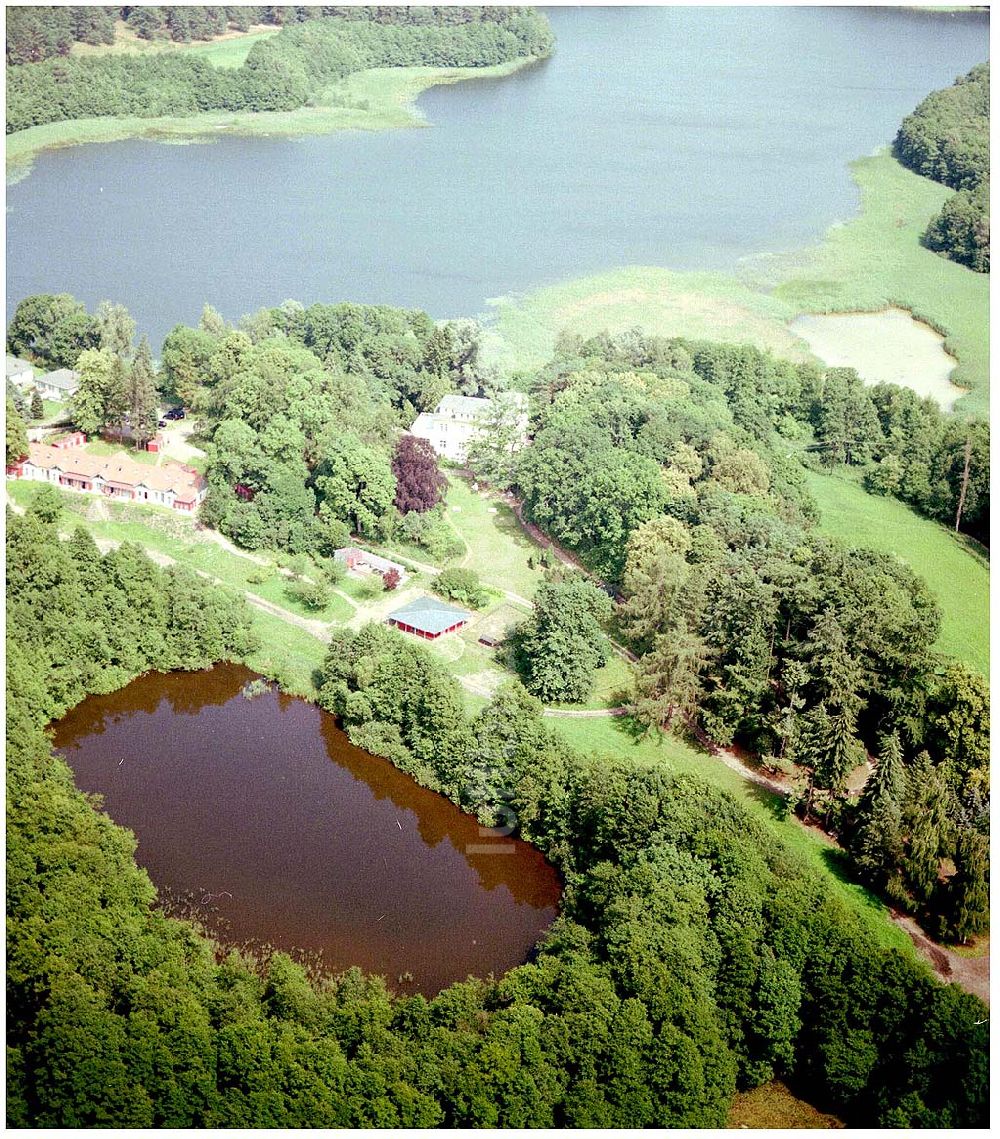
[[458, 419], [20, 373], [58, 385]]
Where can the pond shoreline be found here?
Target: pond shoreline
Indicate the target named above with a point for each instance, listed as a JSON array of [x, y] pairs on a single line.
[[244, 798]]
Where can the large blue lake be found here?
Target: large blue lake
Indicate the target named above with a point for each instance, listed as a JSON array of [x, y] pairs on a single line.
[[682, 137]]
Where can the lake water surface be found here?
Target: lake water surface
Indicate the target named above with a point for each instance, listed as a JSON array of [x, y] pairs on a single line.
[[686, 137], [273, 828]]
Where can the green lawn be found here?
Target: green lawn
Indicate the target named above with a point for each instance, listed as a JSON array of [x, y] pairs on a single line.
[[610, 737], [287, 654], [872, 262], [99, 447], [496, 546], [611, 685], [956, 569], [53, 411], [228, 52]]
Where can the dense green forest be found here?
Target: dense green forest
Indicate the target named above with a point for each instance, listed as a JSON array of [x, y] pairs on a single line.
[[947, 138], [693, 955], [35, 33], [664, 465], [280, 73]]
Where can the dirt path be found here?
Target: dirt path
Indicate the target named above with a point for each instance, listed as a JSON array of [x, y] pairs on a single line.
[[319, 629], [209, 535], [540, 538], [970, 973], [734, 763], [585, 713]]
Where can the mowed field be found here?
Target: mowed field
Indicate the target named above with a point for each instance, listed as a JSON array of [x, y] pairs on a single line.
[[873, 262], [956, 569], [228, 50]]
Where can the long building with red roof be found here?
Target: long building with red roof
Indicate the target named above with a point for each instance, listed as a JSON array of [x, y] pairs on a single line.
[[115, 476]]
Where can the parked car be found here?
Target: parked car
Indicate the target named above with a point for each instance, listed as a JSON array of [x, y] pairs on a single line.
[[175, 413]]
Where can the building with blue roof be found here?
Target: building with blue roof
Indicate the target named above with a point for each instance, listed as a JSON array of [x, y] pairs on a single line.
[[428, 617]]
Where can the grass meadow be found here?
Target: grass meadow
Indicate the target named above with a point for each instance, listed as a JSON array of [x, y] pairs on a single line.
[[229, 50], [775, 1107], [955, 568]]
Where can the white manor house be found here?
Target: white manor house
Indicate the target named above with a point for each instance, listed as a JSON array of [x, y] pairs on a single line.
[[458, 419]]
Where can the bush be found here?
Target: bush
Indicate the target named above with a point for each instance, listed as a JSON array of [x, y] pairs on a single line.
[[461, 586], [311, 594], [333, 571]]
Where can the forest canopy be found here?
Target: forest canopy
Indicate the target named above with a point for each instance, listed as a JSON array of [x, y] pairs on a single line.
[[947, 138], [280, 73], [693, 956]]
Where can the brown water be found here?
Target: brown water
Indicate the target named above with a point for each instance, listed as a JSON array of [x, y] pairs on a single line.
[[280, 831]]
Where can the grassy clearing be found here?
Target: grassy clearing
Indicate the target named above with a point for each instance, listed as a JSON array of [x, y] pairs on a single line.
[[608, 737], [53, 411], [660, 301], [496, 546], [378, 99], [288, 654], [870, 263], [773, 1106], [100, 447], [956, 569], [228, 50], [611, 684]]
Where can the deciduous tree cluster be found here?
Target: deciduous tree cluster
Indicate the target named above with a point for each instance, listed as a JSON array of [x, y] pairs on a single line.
[[947, 138], [280, 73]]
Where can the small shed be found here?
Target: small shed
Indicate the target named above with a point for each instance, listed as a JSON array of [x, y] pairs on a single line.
[[357, 559], [73, 439], [429, 618]]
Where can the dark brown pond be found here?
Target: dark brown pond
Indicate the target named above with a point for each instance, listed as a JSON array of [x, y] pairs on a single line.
[[279, 831]]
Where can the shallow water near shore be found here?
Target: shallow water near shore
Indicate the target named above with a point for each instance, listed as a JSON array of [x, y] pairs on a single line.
[[259, 818], [884, 347]]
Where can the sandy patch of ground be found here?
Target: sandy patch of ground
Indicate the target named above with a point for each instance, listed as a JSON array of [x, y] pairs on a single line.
[[176, 444], [884, 347], [602, 300], [483, 683], [970, 973], [381, 606]]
